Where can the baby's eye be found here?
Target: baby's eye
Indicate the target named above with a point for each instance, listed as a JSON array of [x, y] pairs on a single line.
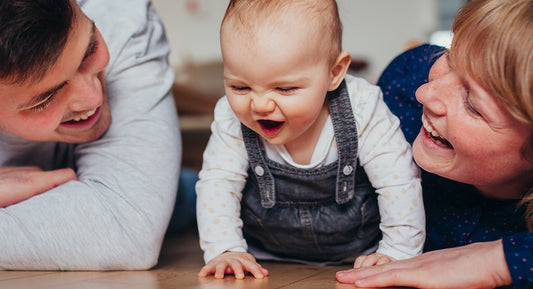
[[240, 88], [287, 89]]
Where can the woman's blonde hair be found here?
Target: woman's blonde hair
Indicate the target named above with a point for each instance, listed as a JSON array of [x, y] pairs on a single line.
[[493, 42]]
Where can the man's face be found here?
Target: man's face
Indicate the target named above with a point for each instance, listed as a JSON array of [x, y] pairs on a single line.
[[69, 104]]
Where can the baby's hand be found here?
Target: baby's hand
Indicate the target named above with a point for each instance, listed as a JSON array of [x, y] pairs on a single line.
[[371, 260], [237, 263]]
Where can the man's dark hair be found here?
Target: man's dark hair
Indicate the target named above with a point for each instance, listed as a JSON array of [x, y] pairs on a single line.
[[33, 34]]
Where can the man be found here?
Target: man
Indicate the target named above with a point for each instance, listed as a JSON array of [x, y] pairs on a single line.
[[89, 141]]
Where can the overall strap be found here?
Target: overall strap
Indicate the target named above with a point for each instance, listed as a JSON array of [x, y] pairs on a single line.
[[259, 167], [346, 137]]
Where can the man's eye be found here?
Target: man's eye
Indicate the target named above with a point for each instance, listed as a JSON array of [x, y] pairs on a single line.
[[50, 97], [44, 104]]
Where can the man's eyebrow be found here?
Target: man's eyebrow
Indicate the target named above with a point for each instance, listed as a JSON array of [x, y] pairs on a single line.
[[93, 44], [91, 49]]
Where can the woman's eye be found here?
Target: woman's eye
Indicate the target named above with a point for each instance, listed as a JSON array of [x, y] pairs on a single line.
[[470, 107]]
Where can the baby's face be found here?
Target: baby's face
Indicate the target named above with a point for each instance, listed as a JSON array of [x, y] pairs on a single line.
[[276, 80]]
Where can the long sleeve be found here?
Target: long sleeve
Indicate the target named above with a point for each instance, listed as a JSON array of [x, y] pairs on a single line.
[[518, 250], [219, 189], [386, 158], [115, 216]]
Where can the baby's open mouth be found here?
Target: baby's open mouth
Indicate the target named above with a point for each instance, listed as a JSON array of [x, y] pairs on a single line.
[[434, 135], [270, 124]]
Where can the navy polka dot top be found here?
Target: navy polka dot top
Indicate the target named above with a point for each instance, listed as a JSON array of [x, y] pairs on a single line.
[[456, 214]]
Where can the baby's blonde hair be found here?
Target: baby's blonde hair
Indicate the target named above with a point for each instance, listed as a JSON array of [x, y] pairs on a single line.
[[258, 12], [493, 41]]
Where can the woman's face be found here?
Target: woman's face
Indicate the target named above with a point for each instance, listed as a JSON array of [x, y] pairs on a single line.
[[468, 136]]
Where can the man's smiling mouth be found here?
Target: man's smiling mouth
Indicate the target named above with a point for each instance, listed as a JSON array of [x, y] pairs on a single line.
[[83, 117]]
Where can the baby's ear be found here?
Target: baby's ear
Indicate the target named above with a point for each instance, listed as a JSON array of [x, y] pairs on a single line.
[[338, 70]]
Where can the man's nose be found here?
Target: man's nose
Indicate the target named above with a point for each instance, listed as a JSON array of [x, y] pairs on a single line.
[[86, 92]]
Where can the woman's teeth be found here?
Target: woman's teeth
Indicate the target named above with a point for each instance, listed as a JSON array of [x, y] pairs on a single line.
[[439, 140], [84, 117]]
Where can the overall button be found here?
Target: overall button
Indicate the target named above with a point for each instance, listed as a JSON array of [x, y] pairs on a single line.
[[259, 171], [347, 170]]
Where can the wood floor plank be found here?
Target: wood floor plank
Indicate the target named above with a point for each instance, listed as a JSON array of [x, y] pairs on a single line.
[[178, 267], [8, 275], [49, 280]]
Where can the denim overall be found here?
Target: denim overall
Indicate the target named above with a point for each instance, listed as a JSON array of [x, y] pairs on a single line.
[[322, 214]]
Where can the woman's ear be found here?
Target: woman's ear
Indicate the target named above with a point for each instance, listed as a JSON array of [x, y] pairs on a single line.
[[338, 70]]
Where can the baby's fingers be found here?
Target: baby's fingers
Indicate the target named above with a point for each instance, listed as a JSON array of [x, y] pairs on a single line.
[[256, 270], [360, 260], [384, 260], [237, 269], [221, 269], [206, 270], [371, 260]]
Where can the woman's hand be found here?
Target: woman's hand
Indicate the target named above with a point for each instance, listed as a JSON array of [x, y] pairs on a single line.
[[237, 263], [479, 265]]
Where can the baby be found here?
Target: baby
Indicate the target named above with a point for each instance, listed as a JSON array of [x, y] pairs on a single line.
[[301, 153]]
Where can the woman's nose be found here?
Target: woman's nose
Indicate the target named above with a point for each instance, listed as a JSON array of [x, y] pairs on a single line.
[[431, 96]]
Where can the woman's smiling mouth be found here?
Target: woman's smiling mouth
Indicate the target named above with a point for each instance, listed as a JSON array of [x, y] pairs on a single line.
[[434, 135]]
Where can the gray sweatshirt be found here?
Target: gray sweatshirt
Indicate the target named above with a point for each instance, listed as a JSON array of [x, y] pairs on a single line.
[[115, 216]]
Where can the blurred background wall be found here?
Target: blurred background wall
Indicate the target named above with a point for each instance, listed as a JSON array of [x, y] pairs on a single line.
[[375, 31]]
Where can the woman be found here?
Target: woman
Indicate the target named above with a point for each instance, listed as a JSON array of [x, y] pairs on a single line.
[[477, 135]]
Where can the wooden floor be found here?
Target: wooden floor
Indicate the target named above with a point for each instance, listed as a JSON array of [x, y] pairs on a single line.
[[180, 261]]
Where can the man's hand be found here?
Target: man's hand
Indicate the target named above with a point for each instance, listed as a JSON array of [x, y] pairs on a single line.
[[20, 183], [237, 263]]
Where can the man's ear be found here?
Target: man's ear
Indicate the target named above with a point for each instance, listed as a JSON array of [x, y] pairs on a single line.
[[338, 70]]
